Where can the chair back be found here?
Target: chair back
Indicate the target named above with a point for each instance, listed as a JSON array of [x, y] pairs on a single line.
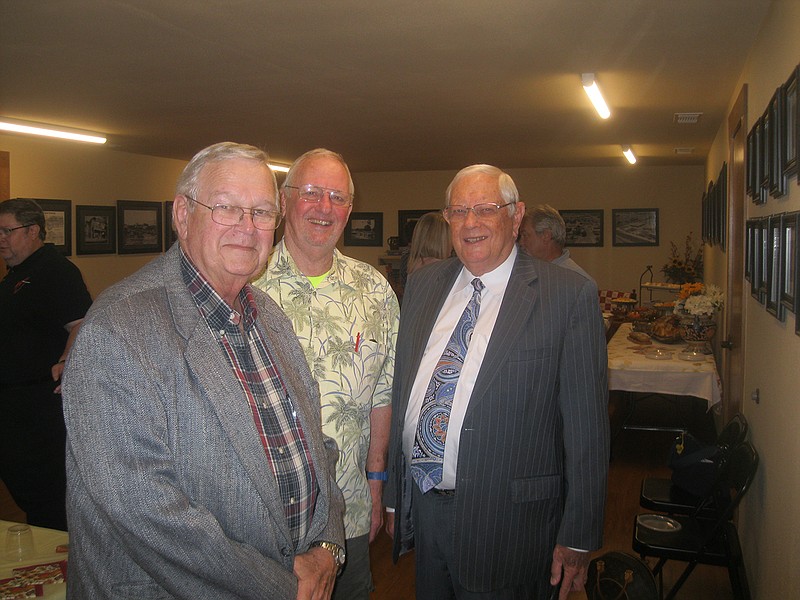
[[606, 296], [734, 433], [735, 478]]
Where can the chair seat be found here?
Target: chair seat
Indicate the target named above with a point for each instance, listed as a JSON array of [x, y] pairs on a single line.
[[660, 494], [683, 545]]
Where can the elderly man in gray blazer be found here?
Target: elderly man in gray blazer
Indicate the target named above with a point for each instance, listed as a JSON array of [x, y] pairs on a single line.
[[499, 442], [196, 464]]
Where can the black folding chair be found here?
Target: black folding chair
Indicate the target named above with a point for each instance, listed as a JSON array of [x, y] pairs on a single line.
[[695, 540], [660, 494]]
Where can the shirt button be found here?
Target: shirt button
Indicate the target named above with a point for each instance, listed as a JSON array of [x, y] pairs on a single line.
[[292, 500], [286, 551], [281, 451]]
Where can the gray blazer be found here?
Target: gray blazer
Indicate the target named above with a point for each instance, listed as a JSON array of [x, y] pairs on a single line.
[[169, 490], [534, 449]]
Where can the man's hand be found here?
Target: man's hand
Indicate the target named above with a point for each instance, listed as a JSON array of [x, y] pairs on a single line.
[[575, 567], [390, 524], [376, 491], [316, 573]]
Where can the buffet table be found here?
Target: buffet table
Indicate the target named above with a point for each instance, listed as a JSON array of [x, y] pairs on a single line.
[[45, 542]]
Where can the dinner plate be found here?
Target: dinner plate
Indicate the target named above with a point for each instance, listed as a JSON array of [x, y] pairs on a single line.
[[692, 356], [657, 354], [658, 523]]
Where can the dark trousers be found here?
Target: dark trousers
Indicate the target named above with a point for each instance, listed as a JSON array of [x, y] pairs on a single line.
[[355, 582], [32, 440], [434, 546]]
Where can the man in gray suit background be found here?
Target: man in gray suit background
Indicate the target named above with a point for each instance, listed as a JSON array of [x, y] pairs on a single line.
[[196, 463], [499, 442]]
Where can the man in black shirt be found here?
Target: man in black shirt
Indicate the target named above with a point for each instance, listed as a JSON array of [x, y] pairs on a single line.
[[42, 301]]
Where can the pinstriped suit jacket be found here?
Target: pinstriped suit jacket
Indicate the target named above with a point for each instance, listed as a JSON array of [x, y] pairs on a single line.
[[533, 456], [169, 491]]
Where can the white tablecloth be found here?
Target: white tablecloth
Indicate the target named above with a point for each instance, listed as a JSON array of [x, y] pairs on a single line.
[[632, 371], [44, 542]]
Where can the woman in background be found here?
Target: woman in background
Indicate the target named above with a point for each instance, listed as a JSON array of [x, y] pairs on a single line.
[[430, 241]]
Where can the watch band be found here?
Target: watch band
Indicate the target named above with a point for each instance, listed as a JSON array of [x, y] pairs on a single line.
[[336, 551], [378, 475]]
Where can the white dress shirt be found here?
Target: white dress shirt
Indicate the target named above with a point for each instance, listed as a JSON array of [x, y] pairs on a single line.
[[495, 283]]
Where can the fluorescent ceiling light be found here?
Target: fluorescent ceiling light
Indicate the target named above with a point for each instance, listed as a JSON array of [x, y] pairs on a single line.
[[279, 168], [63, 133], [591, 89], [626, 150]]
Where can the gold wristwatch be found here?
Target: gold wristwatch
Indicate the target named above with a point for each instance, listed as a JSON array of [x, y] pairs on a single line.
[[336, 550]]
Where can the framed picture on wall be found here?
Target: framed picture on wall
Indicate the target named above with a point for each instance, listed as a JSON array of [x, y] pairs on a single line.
[[57, 223], [364, 229], [774, 269], [170, 235], [138, 226], [584, 227], [776, 146], [406, 221], [791, 128], [763, 257], [634, 226], [95, 229], [755, 257], [789, 229]]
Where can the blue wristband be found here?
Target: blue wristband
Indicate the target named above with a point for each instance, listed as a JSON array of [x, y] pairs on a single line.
[[378, 475]]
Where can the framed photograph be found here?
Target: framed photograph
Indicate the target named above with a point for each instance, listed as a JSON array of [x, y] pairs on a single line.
[[749, 240], [755, 259], [763, 257], [634, 226], [751, 165], [170, 235], [584, 227], [776, 145], [139, 228], [791, 119], [774, 268], [759, 190], [95, 229], [789, 226], [364, 229], [406, 221], [57, 223]]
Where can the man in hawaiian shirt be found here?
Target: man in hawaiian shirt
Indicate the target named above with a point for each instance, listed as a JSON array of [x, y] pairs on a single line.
[[345, 316]]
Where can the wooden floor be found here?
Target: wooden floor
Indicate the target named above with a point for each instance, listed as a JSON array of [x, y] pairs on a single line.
[[635, 455]]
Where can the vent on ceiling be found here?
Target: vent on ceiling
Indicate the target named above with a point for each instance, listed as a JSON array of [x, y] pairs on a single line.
[[684, 150], [687, 118]]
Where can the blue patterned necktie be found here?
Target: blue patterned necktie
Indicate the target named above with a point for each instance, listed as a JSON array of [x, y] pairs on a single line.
[[427, 457]]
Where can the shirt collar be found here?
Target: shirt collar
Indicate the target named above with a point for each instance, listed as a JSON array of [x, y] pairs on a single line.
[[218, 313], [493, 280]]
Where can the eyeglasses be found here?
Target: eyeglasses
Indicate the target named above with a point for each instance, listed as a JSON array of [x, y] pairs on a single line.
[[315, 193], [226, 214], [6, 231], [457, 212]]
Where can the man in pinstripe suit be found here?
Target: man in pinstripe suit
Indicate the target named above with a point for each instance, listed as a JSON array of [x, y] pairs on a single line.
[[523, 477]]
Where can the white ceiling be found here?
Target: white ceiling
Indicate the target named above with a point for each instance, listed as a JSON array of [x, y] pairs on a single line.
[[414, 85]]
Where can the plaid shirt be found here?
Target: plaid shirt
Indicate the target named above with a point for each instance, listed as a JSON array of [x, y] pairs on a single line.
[[274, 415]]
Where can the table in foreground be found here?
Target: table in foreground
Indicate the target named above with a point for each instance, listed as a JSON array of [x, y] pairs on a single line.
[[45, 542], [630, 370]]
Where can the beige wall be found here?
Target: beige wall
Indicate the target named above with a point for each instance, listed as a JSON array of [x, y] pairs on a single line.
[[675, 191], [769, 528], [88, 174]]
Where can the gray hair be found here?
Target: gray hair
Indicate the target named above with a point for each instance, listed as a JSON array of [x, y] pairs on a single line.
[[508, 190], [318, 153], [544, 217], [188, 180], [26, 211]]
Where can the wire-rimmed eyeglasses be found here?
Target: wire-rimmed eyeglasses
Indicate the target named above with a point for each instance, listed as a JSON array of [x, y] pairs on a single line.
[[227, 214], [315, 193], [458, 212], [6, 231]]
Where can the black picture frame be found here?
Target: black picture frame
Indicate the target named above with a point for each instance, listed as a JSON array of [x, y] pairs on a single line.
[[57, 223], [763, 259], [139, 227], [751, 165], [791, 127], [776, 146], [364, 229], [774, 268], [755, 259], [584, 227], [634, 226], [749, 251], [95, 229], [790, 225], [170, 235], [406, 221]]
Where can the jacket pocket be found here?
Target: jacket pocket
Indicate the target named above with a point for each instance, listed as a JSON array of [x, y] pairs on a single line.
[[529, 489]]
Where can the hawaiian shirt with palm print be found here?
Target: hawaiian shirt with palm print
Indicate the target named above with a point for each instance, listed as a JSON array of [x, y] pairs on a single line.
[[347, 328]]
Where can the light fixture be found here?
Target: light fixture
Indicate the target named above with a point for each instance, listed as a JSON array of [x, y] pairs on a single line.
[[63, 133], [626, 150], [591, 89], [279, 168]]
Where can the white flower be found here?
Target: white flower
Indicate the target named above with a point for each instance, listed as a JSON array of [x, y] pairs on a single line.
[[706, 303]]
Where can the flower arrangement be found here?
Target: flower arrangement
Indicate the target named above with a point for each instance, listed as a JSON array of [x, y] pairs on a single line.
[[699, 300], [687, 268]]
